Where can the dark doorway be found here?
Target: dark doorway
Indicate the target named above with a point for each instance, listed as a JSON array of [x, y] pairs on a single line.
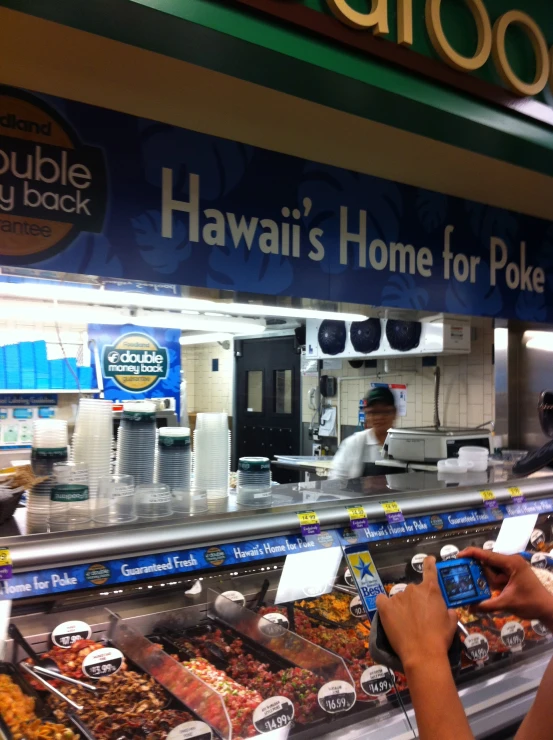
[[268, 407]]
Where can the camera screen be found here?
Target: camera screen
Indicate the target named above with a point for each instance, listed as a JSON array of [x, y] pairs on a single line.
[[458, 582]]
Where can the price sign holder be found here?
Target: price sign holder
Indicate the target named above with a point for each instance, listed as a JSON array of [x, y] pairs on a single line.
[[516, 495], [6, 572], [392, 512], [489, 499], [336, 696], [309, 523], [272, 714], [357, 516], [102, 662]]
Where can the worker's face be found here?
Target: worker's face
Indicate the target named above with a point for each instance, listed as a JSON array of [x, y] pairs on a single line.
[[379, 417]]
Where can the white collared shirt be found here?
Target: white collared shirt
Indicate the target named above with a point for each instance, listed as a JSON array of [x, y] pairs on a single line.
[[356, 450]]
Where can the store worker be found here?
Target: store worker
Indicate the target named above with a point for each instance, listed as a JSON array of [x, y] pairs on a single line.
[[358, 453]]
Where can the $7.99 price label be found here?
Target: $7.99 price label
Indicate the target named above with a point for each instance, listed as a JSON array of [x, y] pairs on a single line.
[[336, 696], [102, 662]]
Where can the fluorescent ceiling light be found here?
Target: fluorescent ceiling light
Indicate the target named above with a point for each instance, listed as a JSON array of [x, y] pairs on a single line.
[[205, 338], [539, 340], [125, 299], [71, 314]]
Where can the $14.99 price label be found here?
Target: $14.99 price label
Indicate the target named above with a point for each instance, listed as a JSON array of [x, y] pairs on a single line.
[[273, 713], [103, 662], [377, 680], [476, 647], [309, 523], [336, 696], [357, 516], [512, 635], [67, 634]]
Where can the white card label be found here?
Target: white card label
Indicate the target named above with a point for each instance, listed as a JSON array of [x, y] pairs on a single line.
[[357, 609], [537, 538], [103, 662], [191, 731], [273, 624], [377, 680], [273, 713], [336, 696], [67, 633], [540, 629], [449, 552], [418, 560], [539, 560], [348, 578], [512, 636], [488, 545], [477, 647], [397, 588]]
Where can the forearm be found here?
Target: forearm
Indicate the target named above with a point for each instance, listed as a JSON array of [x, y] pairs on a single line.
[[438, 709]]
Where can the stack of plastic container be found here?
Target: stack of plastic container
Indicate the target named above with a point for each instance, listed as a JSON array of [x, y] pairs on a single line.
[[136, 441], [173, 463], [92, 440], [212, 455], [69, 497], [27, 357], [13, 366], [49, 447], [254, 482], [41, 364]]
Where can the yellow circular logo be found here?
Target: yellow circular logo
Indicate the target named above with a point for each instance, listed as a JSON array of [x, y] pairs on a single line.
[[135, 362]]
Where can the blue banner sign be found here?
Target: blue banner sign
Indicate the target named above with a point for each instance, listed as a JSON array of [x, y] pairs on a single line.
[[178, 563], [93, 191]]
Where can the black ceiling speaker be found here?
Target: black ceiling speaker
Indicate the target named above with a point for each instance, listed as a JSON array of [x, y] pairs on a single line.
[[365, 335], [332, 337], [403, 335]]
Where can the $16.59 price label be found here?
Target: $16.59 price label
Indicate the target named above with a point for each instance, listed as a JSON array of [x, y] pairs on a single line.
[[377, 680], [336, 696], [273, 713], [103, 662]]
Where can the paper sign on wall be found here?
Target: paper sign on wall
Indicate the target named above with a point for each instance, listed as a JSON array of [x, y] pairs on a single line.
[[400, 395]]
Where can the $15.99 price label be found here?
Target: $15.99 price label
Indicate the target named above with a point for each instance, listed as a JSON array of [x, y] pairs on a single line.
[[67, 634], [273, 713], [103, 662], [377, 680], [336, 696]]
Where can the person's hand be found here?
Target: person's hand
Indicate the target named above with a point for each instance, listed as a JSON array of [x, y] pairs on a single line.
[[522, 593], [417, 622]]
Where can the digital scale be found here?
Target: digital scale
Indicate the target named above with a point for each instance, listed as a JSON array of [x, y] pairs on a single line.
[[430, 444]]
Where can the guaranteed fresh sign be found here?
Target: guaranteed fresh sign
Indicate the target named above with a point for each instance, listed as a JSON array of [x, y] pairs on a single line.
[[136, 362]]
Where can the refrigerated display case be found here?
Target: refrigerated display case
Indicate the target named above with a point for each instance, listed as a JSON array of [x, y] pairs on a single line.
[[240, 616]]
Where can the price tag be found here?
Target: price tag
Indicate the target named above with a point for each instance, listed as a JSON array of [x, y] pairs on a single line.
[[336, 696], [540, 629], [273, 624], [392, 512], [348, 578], [357, 609], [477, 647], [377, 680], [222, 606], [449, 552], [273, 713], [397, 588], [539, 560], [309, 523], [357, 516], [103, 662], [67, 633], [6, 570], [537, 538], [488, 545], [489, 499], [512, 636], [516, 494], [417, 561], [191, 731]]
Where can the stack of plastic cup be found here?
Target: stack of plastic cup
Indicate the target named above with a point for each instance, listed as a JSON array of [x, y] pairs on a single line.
[[153, 501], [212, 455], [188, 501], [136, 441], [173, 457], [92, 441], [69, 497], [116, 502], [254, 482], [49, 447]]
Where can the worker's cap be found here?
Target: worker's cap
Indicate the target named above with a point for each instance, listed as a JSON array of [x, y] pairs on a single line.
[[380, 394]]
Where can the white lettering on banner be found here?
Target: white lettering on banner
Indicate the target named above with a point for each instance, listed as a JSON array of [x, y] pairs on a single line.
[[285, 238]]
